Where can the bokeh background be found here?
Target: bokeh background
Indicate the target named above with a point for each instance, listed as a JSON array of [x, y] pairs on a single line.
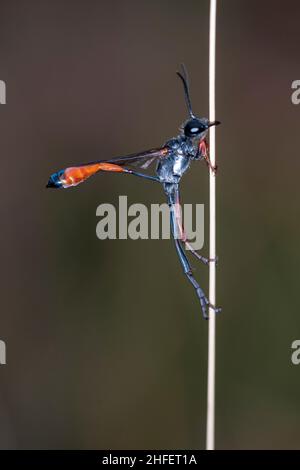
[[106, 346]]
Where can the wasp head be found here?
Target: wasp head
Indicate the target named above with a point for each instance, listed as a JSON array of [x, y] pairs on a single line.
[[197, 128], [194, 127]]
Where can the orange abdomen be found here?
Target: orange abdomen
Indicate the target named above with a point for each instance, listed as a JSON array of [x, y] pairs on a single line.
[[75, 175]]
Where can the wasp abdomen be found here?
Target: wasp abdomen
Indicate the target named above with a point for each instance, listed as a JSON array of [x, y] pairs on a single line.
[[73, 176]]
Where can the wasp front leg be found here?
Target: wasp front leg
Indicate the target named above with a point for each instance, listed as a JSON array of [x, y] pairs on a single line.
[[204, 153]]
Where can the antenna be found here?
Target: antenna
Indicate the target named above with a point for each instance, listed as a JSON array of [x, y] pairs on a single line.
[[185, 80]]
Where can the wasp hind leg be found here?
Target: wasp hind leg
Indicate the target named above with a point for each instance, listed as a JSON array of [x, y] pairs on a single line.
[[182, 234], [204, 302], [198, 256], [141, 175]]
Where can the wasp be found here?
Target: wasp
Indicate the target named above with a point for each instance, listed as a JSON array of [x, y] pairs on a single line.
[[173, 159]]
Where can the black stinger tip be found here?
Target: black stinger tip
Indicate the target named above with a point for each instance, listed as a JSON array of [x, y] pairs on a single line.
[[52, 183], [54, 180]]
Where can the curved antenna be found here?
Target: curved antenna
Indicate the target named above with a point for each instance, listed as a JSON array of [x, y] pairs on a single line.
[[185, 80]]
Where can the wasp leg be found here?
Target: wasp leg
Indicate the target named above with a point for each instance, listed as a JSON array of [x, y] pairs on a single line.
[[182, 234], [128, 171], [204, 152], [200, 257], [213, 168], [141, 175], [187, 268]]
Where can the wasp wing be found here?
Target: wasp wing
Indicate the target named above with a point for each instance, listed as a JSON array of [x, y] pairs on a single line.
[[142, 159], [72, 176]]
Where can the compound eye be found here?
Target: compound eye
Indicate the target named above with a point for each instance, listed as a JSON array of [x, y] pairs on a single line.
[[194, 130]]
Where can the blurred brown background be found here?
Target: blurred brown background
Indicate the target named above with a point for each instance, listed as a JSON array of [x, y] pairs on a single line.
[[106, 346]]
